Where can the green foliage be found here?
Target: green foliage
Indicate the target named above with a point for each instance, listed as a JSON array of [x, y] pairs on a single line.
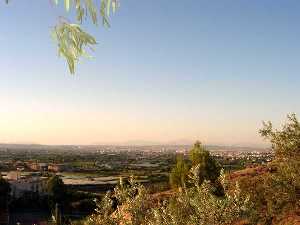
[[208, 167], [282, 188], [276, 192], [285, 142], [196, 153], [128, 204], [179, 173], [72, 40], [197, 205], [190, 206]]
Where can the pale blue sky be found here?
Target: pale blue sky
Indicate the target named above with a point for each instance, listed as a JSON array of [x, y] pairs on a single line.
[[165, 71]]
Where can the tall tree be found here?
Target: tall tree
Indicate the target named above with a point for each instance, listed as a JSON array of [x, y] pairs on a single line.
[[208, 167], [56, 189], [179, 173], [4, 191]]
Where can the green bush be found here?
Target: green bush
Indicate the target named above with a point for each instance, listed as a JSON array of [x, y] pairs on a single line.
[[189, 206]]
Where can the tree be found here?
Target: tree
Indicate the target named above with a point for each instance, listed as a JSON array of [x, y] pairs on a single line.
[[179, 173], [56, 189], [285, 142], [72, 40], [4, 191], [208, 167], [277, 193]]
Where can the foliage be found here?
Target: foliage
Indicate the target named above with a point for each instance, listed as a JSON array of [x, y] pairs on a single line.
[[85, 205], [282, 189], [208, 167], [285, 142], [4, 191], [4, 187], [196, 153], [56, 189], [128, 204], [179, 173], [276, 192], [71, 39], [195, 205], [29, 200], [273, 193]]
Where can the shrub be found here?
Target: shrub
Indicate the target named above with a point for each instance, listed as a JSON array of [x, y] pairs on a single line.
[[285, 142], [194, 205]]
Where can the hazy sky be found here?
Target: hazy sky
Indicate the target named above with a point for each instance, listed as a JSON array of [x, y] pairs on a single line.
[[165, 71]]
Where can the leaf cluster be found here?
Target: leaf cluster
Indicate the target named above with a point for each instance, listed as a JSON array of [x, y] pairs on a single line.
[[285, 142], [71, 39]]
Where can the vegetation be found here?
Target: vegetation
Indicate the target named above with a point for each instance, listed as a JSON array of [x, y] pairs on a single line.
[[202, 194], [285, 142], [72, 40], [208, 167], [56, 188], [262, 195], [198, 205], [275, 192], [179, 173], [195, 205], [4, 191]]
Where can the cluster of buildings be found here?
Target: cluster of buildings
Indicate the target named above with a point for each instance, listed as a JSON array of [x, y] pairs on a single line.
[[43, 167], [265, 156], [33, 166], [32, 182], [20, 184]]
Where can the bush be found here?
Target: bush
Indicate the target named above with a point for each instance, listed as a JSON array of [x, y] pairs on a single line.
[[285, 142], [194, 205]]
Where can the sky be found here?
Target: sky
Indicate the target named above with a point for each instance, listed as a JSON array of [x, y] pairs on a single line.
[[165, 72]]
